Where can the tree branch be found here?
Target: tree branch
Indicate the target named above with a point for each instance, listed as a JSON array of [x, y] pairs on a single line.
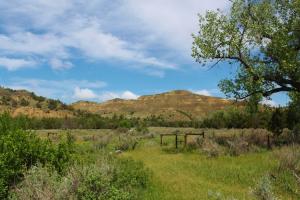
[[269, 92]]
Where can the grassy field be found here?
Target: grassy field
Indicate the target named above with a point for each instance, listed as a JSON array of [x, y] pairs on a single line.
[[181, 174], [194, 176]]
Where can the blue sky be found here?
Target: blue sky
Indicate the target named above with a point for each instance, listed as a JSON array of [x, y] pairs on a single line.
[[100, 49]]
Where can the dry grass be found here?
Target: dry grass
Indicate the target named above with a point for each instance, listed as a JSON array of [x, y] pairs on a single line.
[[170, 105], [289, 158]]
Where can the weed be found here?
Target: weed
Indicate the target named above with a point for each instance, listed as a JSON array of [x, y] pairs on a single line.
[[264, 190]]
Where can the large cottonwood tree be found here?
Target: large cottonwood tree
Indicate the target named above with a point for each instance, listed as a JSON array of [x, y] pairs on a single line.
[[262, 37]]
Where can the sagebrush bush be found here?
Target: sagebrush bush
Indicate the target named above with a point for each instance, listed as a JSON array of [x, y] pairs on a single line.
[[108, 179], [102, 142], [237, 146], [19, 150], [263, 190], [126, 142], [43, 183], [289, 158], [211, 148]]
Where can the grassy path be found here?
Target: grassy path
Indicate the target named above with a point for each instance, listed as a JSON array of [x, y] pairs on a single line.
[[180, 176]]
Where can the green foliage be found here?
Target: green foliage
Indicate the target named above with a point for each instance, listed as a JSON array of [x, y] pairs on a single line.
[[293, 112], [5, 100], [126, 142], [20, 149], [24, 102], [142, 128], [53, 104], [237, 118], [289, 158], [37, 98], [109, 179], [277, 122], [261, 37], [264, 190]]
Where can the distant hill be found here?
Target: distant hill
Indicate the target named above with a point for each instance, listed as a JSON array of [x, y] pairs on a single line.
[[19, 102], [171, 106], [174, 105]]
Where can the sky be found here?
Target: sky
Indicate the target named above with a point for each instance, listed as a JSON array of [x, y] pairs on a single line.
[[101, 49]]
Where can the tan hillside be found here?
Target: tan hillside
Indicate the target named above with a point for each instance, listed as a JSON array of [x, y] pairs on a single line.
[[174, 105], [22, 102]]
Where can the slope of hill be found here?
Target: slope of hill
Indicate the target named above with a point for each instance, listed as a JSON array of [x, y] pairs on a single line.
[[174, 105], [171, 106], [19, 102]]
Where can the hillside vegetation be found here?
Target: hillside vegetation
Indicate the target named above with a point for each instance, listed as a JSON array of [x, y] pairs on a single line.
[[178, 105], [22, 102]]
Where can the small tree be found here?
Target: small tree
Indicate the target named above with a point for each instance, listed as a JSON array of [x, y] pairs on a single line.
[[52, 104], [24, 102], [277, 122]]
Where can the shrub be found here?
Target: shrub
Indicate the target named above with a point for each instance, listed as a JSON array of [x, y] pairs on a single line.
[[108, 179], [210, 147], [103, 142], [237, 146], [277, 122], [289, 158], [52, 104], [296, 133], [192, 145], [20, 149], [257, 138], [24, 102], [126, 142], [42, 183], [142, 128], [263, 190]]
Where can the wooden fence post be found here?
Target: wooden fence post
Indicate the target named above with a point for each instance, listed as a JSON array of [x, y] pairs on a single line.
[[161, 141], [176, 141], [185, 140]]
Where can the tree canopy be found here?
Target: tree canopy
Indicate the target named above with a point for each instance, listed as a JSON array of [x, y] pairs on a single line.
[[262, 37]]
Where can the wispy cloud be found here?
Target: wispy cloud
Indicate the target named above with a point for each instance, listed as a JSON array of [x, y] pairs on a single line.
[[70, 90], [84, 93], [207, 92], [12, 64], [54, 30], [203, 92], [57, 89], [121, 95]]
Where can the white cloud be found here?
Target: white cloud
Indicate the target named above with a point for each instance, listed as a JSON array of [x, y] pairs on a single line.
[[60, 64], [129, 95], [128, 31], [113, 95], [12, 64], [269, 102], [171, 21], [202, 92], [57, 89], [52, 30], [69, 90], [83, 93]]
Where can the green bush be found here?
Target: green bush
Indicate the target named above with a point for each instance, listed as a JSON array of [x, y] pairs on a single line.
[[19, 150], [108, 179], [24, 102], [264, 190], [126, 142]]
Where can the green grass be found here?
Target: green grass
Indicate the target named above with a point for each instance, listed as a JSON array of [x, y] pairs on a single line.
[[194, 176], [180, 175]]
